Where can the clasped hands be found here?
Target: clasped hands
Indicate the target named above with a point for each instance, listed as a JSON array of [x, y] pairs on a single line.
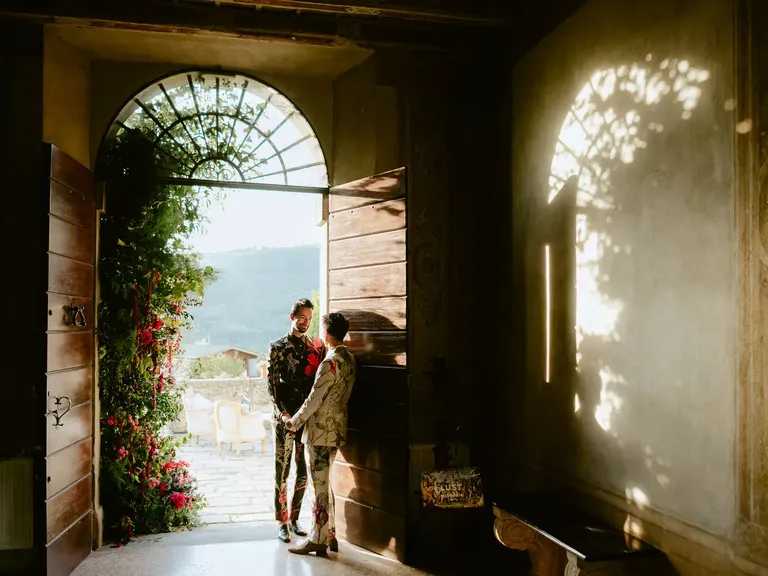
[[287, 421]]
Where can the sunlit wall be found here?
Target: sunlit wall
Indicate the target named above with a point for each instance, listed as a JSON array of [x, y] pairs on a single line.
[[630, 305]]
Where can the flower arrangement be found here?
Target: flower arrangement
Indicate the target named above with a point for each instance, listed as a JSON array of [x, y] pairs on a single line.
[[149, 279], [314, 357]]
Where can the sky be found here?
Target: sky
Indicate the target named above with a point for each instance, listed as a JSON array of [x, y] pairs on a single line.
[[255, 218]]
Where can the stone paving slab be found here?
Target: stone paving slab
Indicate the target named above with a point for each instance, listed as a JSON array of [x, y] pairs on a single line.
[[238, 488]]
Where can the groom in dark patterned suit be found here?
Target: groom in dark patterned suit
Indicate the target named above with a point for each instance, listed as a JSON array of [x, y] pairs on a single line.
[[293, 362]]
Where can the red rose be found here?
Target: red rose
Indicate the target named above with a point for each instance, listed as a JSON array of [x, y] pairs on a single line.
[[146, 336], [163, 488], [178, 500], [157, 324]]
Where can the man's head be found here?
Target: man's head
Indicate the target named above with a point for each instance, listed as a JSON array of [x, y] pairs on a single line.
[[335, 328], [301, 316]]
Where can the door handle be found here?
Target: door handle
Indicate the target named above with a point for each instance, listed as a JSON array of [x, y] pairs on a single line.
[[55, 413], [78, 315]]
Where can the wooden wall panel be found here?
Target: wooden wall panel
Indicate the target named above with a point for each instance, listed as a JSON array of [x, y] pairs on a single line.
[[69, 350], [59, 316], [380, 248], [68, 466], [376, 530], [71, 206], [70, 240], [382, 217], [373, 315], [78, 424], [68, 506], [373, 282], [66, 276], [71, 548]]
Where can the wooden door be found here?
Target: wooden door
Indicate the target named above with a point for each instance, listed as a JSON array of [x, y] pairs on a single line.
[[367, 261], [68, 504]]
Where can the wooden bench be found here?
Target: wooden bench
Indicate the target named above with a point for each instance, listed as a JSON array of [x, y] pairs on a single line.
[[562, 540]]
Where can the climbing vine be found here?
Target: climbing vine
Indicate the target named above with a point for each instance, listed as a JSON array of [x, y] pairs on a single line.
[[149, 279]]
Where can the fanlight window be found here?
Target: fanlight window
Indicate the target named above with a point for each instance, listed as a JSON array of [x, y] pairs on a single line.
[[226, 128]]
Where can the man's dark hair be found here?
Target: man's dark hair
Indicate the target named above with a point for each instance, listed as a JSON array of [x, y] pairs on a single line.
[[336, 325], [302, 303]]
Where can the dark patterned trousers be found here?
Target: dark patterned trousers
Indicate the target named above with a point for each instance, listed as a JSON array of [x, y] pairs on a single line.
[[287, 447], [321, 460]]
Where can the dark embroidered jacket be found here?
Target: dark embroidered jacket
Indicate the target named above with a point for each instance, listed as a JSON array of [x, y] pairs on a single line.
[[293, 363]]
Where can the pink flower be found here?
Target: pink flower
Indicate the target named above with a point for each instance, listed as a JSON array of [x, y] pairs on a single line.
[[154, 482], [121, 453]]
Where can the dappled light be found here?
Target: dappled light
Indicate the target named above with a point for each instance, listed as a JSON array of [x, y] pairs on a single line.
[[611, 121]]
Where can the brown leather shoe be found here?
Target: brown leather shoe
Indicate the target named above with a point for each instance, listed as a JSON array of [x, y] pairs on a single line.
[[307, 546], [333, 545]]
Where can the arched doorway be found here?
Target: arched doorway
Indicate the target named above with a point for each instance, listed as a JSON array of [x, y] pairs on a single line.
[[170, 144], [217, 130]]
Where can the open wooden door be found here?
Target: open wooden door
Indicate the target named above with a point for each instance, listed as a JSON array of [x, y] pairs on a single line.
[[367, 262], [67, 507]]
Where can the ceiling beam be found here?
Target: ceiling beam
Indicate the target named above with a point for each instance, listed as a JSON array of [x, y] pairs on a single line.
[[235, 21], [466, 13]]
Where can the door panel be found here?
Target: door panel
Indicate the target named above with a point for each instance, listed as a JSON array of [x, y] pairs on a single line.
[[69, 465], [380, 314], [60, 316], [371, 219], [70, 350], [369, 250], [68, 505], [67, 276], [72, 547], [77, 385], [367, 283]]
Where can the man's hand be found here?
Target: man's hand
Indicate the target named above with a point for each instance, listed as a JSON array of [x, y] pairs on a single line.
[[287, 421]]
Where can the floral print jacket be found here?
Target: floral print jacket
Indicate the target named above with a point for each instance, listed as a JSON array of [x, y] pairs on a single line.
[[293, 362], [324, 412]]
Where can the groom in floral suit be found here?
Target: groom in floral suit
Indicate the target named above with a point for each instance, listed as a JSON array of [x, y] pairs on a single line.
[[293, 362], [323, 416]]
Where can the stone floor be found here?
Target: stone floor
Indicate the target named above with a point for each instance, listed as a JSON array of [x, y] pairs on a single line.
[[237, 488], [231, 550]]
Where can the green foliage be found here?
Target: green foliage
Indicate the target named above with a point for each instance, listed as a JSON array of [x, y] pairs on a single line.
[[219, 366], [149, 277]]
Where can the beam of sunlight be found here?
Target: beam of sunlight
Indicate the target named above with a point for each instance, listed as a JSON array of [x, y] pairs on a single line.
[[612, 118], [548, 313], [633, 529], [637, 496], [576, 403]]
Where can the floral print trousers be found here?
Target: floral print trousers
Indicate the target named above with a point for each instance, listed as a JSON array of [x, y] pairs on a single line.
[[288, 445], [324, 510]]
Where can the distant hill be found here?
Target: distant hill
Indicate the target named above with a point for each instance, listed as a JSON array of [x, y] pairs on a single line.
[[249, 304]]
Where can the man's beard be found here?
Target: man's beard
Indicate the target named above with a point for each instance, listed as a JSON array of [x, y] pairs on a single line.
[[302, 330]]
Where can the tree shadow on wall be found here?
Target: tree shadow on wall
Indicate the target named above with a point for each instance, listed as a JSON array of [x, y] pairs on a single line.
[[646, 214]]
